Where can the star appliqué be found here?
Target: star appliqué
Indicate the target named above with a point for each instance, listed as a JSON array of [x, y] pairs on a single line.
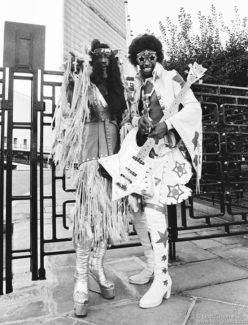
[[195, 140], [174, 191], [164, 270], [164, 258], [165, 282], [179, 169], [157, 181], [196, 160], [163, 238]]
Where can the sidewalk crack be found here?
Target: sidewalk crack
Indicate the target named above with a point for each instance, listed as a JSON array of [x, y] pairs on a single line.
[[189, 311]]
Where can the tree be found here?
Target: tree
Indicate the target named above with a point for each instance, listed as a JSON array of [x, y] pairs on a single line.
[[220, 49]]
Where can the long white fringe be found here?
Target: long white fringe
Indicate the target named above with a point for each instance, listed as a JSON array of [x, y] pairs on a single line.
[[95, 215]]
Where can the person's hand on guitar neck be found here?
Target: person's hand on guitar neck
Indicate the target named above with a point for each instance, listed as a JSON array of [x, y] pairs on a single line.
[[159, 130], [144, 125]]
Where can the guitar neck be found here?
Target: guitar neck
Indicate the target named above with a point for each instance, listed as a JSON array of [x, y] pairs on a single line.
[[177, 101], [149, 144]]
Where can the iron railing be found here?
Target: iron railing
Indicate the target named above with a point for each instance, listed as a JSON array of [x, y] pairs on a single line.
[[223, 187]]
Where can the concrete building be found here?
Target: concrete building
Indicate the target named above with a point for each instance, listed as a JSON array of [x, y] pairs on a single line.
[[70, 24], [85, 20]]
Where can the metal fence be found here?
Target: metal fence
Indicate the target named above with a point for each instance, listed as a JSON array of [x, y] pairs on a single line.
[[222, 205]]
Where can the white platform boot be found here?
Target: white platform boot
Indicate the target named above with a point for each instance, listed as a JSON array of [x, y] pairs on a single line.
[[140, 224], [161, 286]]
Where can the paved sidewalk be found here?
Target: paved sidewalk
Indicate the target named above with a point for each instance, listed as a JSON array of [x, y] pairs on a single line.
[[210, 284]]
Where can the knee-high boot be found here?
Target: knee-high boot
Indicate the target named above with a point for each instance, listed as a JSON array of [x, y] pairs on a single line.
[[81, 293], [97, 279], [161, 286], [140, 224]]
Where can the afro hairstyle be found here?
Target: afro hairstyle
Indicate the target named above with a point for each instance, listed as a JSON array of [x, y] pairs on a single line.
[[145, 42]]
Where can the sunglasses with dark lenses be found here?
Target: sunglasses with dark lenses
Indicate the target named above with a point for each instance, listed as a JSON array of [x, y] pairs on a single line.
[[102, 51], [147, 55]]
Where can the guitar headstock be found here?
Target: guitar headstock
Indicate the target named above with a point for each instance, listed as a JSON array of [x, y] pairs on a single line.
[[195, 73]]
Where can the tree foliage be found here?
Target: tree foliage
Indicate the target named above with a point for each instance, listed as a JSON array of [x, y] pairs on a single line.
[[222, 50]]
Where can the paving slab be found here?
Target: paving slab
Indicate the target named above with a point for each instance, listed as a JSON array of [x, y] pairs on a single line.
[[200, 274], [234, 292], [215, 231], [62, 293], [112, 255], [48, 321], [170, 312], [237, 254], [20, 295], [213, 312], [23, 309], [201, 207], [230, 240], [190, 252], [191, 234], [191, 222], [126, 265], [206, 243], [125, 252], [61, 232]]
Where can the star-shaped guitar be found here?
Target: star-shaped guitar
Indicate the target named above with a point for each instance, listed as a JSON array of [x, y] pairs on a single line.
[[132, 170]]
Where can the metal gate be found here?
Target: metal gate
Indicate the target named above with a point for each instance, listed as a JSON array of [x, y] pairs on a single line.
[[24, 53], [222, 205], [224, 184]]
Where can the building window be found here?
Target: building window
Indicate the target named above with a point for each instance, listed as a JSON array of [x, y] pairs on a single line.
[[15, 142], [25, 143]]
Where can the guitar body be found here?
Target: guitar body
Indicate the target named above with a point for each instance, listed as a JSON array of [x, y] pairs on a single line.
[[128, 175]]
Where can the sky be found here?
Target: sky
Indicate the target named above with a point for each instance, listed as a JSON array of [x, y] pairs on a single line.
[[145, 14]]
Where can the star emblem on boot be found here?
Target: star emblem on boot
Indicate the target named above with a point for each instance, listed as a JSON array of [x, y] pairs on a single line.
[[164, 258], [163, 238], [165, 282], [164, 270]]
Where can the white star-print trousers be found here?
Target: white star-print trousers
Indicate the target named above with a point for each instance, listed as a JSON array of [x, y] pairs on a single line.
[[140, 224], [157, 226]]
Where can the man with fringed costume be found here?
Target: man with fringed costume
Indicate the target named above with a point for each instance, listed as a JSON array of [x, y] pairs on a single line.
[[87, 121], [155, 91]]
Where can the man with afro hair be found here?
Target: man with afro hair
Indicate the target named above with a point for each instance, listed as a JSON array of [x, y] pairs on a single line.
[[151, 116]]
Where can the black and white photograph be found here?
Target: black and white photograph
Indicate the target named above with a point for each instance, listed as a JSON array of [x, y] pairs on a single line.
[[123, 162]]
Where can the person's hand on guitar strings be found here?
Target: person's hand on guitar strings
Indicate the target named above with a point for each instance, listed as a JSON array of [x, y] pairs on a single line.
[[144, 125], [159, 130]]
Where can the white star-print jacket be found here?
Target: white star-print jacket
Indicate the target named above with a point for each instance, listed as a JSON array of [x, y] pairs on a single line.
[[187, 121]]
